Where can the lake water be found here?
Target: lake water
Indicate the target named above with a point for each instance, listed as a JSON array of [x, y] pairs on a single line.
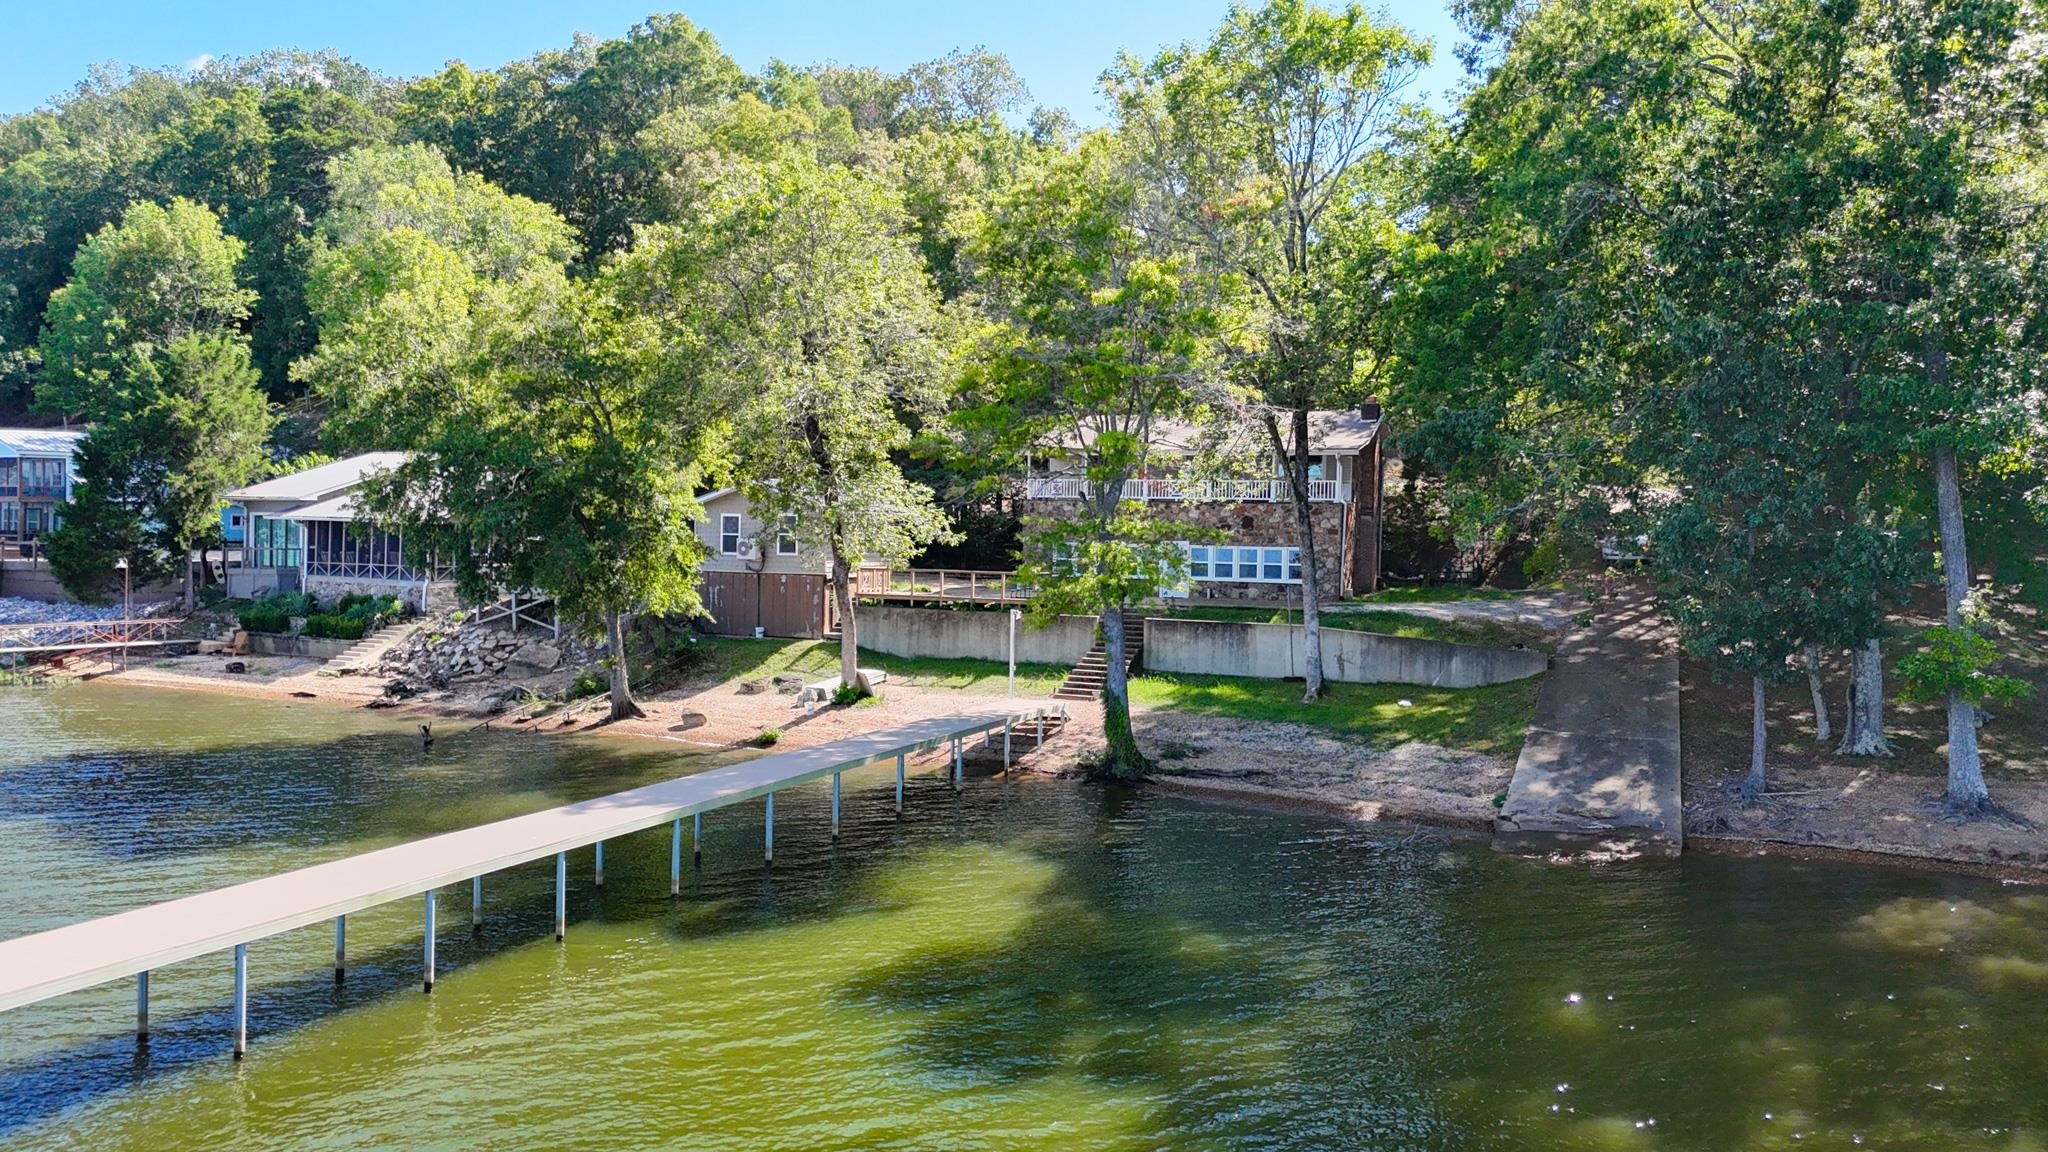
[[1028, 965]]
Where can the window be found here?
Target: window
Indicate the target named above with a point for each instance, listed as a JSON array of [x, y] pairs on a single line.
[[1259, 565], [785, 540], [729, 533]]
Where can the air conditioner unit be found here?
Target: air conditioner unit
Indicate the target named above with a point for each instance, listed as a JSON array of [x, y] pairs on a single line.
[[754, 551]]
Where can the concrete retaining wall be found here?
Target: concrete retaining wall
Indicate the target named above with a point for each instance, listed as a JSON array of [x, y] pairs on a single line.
[[1274, 652], [310, 647], [940, 634]]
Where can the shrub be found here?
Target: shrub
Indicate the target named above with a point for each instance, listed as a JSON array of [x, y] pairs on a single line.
[[273, 613], [260, 617], [337, 626], [847, 694], [768, 737], [589, 682]]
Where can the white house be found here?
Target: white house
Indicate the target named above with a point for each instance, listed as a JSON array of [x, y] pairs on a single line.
[[305, 532]]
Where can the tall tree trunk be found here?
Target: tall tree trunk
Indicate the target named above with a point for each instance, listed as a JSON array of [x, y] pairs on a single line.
[[623, 707], [1822, 730], [1863, 730], [1122, 757], [1966, 791], [849, 634], [1759, 741], [1305, 535]]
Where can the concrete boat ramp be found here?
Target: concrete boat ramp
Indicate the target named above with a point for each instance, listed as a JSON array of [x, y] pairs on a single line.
[[1600, 762], [48, 964]]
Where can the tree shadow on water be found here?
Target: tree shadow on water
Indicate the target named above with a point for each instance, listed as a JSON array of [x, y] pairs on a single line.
[[1090, 985]]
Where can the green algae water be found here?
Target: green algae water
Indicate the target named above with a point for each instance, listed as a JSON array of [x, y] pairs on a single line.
[[1027, 965]]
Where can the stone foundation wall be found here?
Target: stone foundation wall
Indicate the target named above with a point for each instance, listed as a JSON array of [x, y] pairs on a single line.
[[1268, 524]]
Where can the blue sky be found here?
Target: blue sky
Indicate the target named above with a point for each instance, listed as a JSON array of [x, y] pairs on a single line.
[[1059, 46]]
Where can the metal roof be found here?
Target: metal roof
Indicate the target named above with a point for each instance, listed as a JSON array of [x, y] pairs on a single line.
[[342, 507], [323, 482], [40, 441]]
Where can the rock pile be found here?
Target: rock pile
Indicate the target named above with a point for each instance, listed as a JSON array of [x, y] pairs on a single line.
[[446, 652]]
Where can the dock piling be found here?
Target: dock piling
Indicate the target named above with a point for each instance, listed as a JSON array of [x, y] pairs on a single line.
[[241, 1000], [697, 840], [427, 948], [48, 964], [561, 896]]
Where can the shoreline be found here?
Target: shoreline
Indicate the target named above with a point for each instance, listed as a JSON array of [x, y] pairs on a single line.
[[1435, 810]]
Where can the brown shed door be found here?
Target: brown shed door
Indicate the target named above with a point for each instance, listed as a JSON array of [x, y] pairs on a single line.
[[793, 605], [729, 597], [780, 605]]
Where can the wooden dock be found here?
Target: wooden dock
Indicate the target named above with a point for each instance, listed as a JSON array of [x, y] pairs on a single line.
[[47, 964]]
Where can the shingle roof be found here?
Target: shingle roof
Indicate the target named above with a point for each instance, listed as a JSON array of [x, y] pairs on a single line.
[[1329, 431]]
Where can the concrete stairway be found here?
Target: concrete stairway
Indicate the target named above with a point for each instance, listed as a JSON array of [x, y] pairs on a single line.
[[1086, 679], [369, 651]]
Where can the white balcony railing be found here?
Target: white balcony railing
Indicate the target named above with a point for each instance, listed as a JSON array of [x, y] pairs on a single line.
[[1270, 490]]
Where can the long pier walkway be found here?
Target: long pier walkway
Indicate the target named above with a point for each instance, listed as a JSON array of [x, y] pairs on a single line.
[[48, 964]]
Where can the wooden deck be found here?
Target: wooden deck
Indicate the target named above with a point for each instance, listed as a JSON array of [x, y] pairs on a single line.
[[48, 964], [940, 586]]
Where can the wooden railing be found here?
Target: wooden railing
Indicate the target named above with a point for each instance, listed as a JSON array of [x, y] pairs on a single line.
[[1265, 490], [940, 585]]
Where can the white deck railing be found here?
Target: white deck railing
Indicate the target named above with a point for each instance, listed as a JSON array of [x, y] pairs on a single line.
[[1269, 490]]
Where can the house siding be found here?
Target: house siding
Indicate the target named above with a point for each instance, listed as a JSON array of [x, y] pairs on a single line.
[[807, 561]]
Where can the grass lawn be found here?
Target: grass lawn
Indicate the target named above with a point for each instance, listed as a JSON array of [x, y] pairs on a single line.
[[727, 658], [1489, 720], [1387, 623]]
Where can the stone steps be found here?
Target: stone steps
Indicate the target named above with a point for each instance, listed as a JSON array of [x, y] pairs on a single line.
[[370, 650]]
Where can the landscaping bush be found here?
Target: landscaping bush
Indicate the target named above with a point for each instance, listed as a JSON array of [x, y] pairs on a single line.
[[274, 612], [264, 618], [337, 626]]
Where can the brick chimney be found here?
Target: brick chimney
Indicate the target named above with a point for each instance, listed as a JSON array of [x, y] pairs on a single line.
[[1370, 408]]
